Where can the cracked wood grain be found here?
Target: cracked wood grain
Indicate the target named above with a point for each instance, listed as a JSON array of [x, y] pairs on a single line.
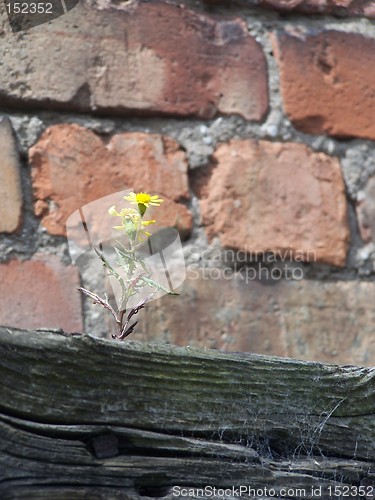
[[86, 417]]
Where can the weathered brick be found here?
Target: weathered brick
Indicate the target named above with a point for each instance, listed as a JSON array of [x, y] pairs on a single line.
[[216, 313], [339, 7], [366, 212], [310, 320], [327, 83], [10, 180], [149, 57], [274, 197], [40, 293], [72, 166], [330, 321]]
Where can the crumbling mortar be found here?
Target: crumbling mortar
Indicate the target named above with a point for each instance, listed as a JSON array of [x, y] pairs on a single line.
[[31, 238]]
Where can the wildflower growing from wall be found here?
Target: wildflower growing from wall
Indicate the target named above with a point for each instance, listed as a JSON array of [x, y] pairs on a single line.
[[130, 273]]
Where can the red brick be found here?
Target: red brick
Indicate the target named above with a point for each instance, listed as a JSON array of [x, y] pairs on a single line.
[[72, 166], [40, 293], [366, 212], [340, 7], [10, 180], [149, 57], [265, 196], [327, 82], [310, 320]]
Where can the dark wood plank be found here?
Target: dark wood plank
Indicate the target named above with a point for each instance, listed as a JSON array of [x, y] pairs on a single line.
[[80, 414]]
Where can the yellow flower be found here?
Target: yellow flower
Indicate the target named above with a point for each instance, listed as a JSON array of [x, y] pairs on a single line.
[[144, 199], [130, 214]]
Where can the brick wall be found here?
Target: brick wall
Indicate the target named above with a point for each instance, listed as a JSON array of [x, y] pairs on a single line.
[[254, 120]]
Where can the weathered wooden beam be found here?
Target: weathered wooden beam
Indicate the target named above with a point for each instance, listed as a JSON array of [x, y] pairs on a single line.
[[81, 416]]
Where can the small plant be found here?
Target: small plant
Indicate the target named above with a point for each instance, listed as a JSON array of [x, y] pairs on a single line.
[[131, 272]]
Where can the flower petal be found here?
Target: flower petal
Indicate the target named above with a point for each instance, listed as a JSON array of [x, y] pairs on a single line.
[[113, 211], [148, 222]]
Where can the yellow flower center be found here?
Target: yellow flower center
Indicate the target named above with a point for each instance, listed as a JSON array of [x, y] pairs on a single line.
[[143, 198]]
